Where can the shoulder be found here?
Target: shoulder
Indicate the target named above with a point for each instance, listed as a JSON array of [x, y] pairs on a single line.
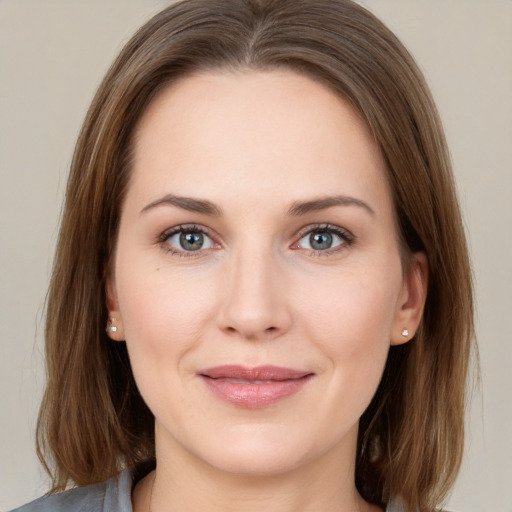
[[397, 506], [114, 495]]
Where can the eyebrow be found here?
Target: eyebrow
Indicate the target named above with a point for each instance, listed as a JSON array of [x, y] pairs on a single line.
[[186, 203], [303, 207], [297, 208]]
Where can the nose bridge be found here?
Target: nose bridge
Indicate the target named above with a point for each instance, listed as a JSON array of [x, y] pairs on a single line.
[[254, 305]]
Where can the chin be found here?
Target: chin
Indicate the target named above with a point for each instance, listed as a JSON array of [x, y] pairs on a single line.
[[261, 450], [256, 461]]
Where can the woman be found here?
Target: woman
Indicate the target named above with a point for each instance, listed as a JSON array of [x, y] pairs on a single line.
[[261, 294]]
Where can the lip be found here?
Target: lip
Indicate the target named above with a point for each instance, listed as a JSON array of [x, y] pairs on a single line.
[[254, 388]]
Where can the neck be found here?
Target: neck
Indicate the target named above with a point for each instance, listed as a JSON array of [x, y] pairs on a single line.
[[182, 483]]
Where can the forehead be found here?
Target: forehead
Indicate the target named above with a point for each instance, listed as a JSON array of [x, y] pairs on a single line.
[[254, 132]]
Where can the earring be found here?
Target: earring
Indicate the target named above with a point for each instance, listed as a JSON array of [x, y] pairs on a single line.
[[111, 328], [405, 333]]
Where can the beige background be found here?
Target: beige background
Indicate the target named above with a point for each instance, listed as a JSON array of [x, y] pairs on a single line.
[[52, 56]]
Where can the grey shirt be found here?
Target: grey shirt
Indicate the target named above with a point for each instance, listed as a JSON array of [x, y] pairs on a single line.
[[114, 495]]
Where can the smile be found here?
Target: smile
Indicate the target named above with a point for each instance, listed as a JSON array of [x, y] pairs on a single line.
[[254, 388]]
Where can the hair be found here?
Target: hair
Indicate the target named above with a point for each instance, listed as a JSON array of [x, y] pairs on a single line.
[[93, 421]]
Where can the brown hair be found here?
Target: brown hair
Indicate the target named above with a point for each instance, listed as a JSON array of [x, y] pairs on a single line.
[[93, 421]]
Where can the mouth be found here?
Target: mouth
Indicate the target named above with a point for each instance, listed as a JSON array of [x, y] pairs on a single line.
[[254, 388]]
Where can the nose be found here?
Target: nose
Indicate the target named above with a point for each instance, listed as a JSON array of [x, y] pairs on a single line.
[[255, 305]]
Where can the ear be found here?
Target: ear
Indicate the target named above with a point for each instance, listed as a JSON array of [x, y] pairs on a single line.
[[114, 327], [412, 300]]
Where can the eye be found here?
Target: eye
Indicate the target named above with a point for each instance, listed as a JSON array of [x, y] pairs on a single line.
[[187, 239], [324, 238]]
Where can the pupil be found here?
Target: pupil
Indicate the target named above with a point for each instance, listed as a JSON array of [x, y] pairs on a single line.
[[191, 241], [320, 240]]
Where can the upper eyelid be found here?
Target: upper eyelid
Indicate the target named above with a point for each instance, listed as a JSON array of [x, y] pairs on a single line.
[[184, 227], [301, 233], [325, 226], [164, 237]]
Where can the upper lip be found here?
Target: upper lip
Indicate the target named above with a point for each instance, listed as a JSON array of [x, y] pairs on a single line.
[[258, 373]]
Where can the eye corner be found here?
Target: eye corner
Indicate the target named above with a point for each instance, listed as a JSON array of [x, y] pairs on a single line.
[[174, 240], [331, 239]]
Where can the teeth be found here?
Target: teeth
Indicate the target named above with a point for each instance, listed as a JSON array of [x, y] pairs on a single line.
[[245, 381]]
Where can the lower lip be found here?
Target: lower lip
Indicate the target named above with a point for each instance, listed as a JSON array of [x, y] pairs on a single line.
[[255, 395]]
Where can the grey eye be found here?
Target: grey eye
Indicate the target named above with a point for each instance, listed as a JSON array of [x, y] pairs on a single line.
[[190, 240], [321, 240]]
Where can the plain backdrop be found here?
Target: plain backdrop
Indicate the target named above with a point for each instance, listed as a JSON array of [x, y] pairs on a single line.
[[53, 54]]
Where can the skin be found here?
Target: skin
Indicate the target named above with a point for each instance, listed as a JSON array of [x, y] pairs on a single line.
[[254, 144]]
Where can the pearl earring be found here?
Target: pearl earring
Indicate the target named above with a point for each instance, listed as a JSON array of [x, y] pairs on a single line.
[[111, 328], [405, 333]]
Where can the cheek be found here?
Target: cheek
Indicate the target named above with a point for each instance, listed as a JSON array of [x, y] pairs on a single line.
[[163, 322], [354, 306], [351, 325], [163, 315]]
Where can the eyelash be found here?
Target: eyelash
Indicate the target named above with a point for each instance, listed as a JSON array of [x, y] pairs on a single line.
[[183, 228], [346, 237]]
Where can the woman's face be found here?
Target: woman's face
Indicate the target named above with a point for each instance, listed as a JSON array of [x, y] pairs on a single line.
[[258, 280]]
